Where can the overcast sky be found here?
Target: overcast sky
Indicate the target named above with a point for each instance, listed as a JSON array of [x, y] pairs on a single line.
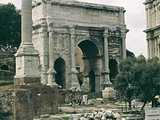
[[135, 21]]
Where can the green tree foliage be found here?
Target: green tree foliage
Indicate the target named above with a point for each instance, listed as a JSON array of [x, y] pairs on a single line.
[[139, 78], [124, 80], [10, 28]]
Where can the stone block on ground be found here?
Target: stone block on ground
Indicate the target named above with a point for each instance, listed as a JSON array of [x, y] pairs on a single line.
[[108, 93]]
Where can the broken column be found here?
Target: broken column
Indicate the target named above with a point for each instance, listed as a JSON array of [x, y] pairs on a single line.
[[27, 58]]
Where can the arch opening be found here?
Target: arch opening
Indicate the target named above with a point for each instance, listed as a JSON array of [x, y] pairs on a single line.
[[86, 62], [113, 66], [59, 66]]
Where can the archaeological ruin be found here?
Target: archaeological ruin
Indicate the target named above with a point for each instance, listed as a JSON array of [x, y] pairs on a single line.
[[66, 45], [77, 43], [153, 28]]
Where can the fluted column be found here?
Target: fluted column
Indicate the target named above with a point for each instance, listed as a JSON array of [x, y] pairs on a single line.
[[27, 58], [107, 81], [51, 71], [75, 83]]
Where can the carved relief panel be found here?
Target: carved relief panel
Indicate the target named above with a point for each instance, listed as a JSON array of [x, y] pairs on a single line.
[[115, 44]]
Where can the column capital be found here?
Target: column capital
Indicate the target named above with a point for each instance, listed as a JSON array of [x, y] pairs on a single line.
[[50, 27], [72, 29], [106, 30]]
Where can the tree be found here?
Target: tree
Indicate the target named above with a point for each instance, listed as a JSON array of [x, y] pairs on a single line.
[[138, 78], [124, 80], [147, 80], [10, 27]]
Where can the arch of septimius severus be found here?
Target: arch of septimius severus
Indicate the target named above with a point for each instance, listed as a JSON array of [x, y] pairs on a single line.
[[76, 44], [153, 27]]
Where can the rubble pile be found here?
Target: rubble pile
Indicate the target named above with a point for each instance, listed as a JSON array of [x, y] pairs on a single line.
[[101, 115]]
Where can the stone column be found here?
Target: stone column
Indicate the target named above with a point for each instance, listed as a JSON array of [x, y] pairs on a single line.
[[122, 17], [149, 16], [75, 83], [108, 91], [107, 81], [148, 44], [123, 36], [27, 22], [51, 71], [45, 52], [27, 58]]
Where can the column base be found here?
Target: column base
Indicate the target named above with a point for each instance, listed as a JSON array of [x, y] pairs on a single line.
[[51, 78], [107, 82], [74, 84], [85, 86], [108, 93]]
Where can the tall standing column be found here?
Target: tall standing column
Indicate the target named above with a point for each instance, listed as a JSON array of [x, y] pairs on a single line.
[[107, 81], [123, 36], [51, 72], [75, 83], [27, 58], [27, 22], [45, 52], [108, 92], [148, 44]]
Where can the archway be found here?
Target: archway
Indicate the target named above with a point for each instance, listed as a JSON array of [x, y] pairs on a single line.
[[86, 61], [113, 66], [59, 67]]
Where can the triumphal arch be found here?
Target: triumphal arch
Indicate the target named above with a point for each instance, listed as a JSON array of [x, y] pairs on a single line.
[[79, 43]]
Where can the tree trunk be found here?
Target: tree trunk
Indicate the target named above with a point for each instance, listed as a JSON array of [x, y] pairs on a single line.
[[130, 105], [143, 105]]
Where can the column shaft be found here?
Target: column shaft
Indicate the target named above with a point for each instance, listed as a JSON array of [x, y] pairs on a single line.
[[26, 21], [123, 36], [106, 58], [75, 83], [51, 71]]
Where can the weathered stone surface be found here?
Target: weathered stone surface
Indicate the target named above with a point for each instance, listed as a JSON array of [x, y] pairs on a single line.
[[153, 28], [108, 93], [60, 26], [24, 103], [6, 105], [44, 99], [27, 58]]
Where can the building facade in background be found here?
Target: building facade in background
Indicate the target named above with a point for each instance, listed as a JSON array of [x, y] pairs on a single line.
[[153, 27], [80, 44]]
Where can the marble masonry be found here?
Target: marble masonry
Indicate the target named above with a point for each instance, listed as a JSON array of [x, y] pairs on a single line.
[[78, 42], [152, 8], [71, 44]]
